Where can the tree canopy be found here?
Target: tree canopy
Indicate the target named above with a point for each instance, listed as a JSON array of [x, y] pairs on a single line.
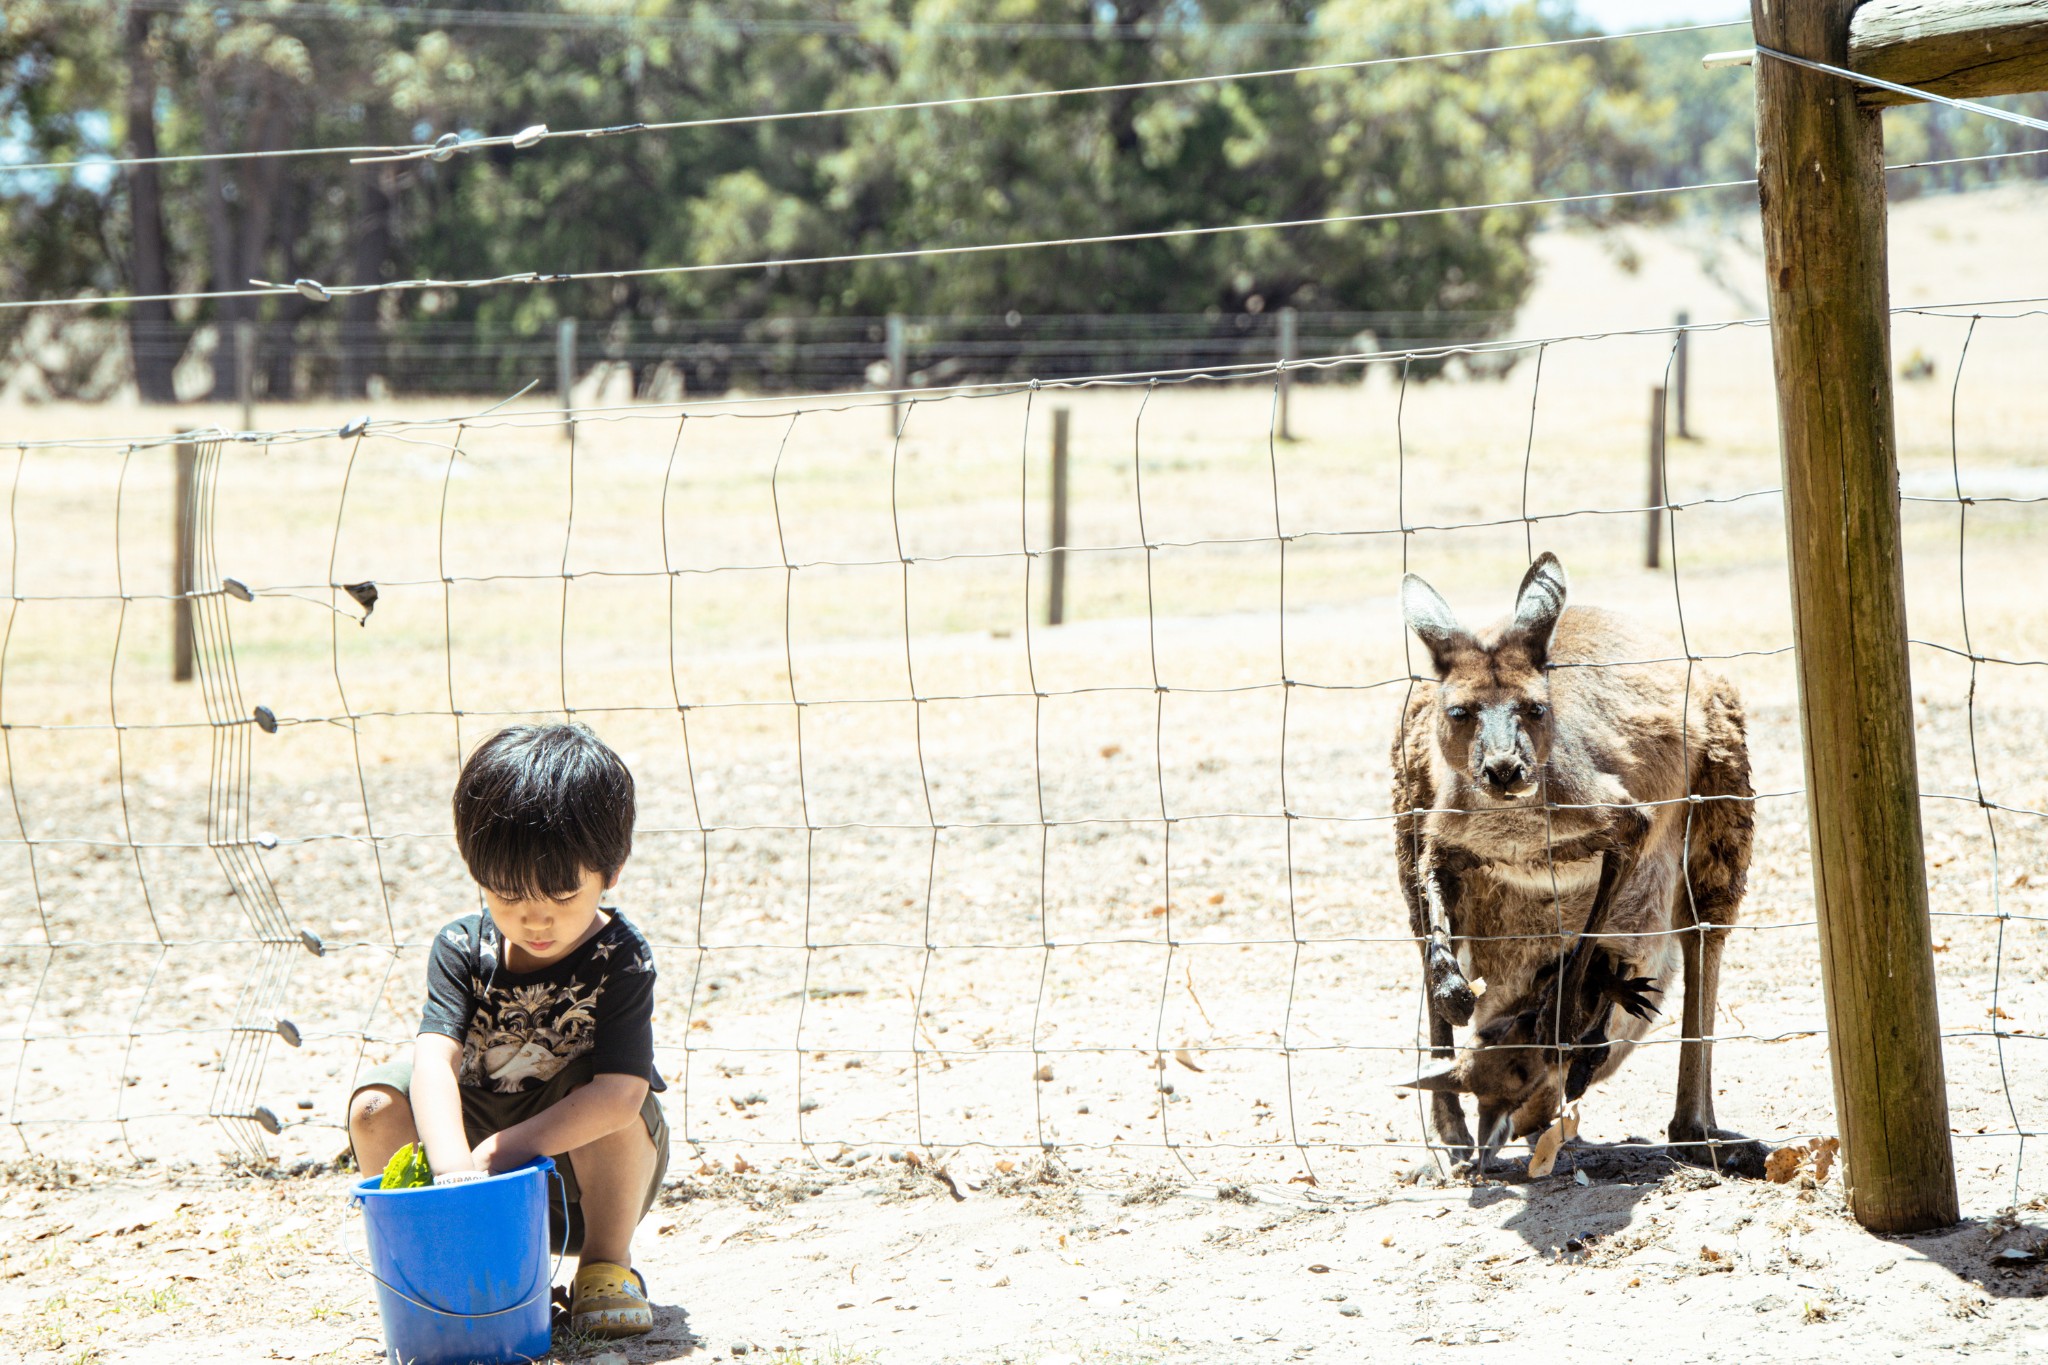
[[89, 78]]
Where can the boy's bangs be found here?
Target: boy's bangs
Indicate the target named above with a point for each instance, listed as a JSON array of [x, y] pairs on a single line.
[[512, 868], [538, 805]]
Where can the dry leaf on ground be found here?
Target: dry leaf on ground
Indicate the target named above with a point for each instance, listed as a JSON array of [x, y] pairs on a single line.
[[1783, 1166], [1543, 1160]]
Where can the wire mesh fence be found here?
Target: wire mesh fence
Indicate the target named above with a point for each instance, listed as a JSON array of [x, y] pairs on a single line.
[[326, 357], [920, 869]]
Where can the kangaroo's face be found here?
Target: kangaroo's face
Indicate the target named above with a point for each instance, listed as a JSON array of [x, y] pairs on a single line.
[[1493, 722], [1506, 1074], [1493, 717]]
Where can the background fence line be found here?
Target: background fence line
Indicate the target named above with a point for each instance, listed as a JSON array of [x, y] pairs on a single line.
[[323, 357]]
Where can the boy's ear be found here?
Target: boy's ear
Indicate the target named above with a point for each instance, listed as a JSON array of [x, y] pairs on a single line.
[[611, 883]]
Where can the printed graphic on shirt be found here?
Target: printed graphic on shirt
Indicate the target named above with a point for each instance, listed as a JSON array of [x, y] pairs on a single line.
[[518, 1030], [528, 1034]]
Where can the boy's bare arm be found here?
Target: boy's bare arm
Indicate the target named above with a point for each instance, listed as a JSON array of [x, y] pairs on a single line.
[[608, 1103], [437, 1103]]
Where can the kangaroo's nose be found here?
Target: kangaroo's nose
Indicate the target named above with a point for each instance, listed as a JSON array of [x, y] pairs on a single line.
[[1504, 772]]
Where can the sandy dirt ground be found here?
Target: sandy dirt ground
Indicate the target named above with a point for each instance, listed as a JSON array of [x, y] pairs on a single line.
[[884, 1265], [937, 888]]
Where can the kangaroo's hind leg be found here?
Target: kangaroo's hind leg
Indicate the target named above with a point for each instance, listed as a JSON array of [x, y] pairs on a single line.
[[1720, 829]]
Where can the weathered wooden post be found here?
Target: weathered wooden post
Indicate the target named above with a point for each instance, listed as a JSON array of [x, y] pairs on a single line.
[[1958, 48], [1056, 558], [565, 372], [245, 371], [1652, 556], [183, 559], [1820, 155], [1290, 351], [897, 352], [1682, 372]]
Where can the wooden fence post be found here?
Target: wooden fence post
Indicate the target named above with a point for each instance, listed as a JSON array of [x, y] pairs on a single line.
[[1290, 351], [1653, 555], [1682, 373], [897, 350], [183, 560], [245, 371], [565, 371], [1821, 186], [1056, 558]]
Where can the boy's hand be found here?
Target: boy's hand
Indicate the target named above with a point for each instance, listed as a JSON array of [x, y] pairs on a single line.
[[437, 1102], [494, 1155]]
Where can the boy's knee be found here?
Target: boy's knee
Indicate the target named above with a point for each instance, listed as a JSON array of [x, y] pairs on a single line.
[[377, 1105]]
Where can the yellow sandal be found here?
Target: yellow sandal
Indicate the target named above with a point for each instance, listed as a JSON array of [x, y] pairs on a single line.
[[609, 1301]]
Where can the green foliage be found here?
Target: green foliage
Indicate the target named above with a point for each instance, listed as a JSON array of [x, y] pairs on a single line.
[[1484, 129], [57, 235], [407, 1169]]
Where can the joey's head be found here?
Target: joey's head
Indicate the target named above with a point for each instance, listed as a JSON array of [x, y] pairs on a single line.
[[1503, 1073], [1493, 717]]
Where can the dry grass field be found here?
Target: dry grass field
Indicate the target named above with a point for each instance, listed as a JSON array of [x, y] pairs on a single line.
[[1099, 919]]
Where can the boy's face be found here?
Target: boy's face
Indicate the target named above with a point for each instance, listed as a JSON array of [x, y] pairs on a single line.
[[540, 929]]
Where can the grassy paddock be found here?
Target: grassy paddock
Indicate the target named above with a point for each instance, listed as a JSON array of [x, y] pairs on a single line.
[[854, 896]]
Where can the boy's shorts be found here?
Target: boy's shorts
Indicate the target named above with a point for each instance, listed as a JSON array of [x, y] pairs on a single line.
[[485, 1112]]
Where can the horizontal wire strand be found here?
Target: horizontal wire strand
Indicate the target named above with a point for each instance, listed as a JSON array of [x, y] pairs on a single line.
[[326, 292], [1864, 78], [413, 151], [1013, 97]]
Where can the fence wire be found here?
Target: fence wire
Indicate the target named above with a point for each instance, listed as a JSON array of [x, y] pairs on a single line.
[[220, 1001]]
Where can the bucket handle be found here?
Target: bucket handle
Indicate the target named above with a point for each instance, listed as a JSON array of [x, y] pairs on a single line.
[[348, 1253]]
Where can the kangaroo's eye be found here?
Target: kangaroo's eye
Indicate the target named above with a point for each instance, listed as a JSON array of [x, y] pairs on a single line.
[[1457, 713], [1538, 710]]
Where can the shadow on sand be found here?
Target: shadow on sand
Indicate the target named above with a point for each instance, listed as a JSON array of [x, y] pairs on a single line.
[[671, 1338], [1556, 1216]]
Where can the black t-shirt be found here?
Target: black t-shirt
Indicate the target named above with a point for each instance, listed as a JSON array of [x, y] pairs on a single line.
[[518, 1029]]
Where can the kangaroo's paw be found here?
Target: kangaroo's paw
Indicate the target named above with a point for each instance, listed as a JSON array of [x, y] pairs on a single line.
[[1449, 992], [1719, 1149]]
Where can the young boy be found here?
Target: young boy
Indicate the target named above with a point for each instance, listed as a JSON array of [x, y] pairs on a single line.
[[537, 1038]]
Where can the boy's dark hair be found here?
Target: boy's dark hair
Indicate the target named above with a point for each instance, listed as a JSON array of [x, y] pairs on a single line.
[[537, 804]]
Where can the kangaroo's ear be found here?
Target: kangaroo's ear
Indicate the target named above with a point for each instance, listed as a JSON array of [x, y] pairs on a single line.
[[1509, 1028], [1429, 616], [1539, 602], [1444, 1076]]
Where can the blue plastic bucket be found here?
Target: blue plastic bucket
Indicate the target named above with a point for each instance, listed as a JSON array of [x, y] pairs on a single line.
[[462, 1270]]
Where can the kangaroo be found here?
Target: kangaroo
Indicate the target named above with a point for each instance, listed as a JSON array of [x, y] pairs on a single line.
[[1573, 819]]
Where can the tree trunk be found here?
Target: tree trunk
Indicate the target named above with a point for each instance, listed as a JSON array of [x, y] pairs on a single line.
[[1132, 60], [155, 341], [280, 335], [357, 338], [222, 256]]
